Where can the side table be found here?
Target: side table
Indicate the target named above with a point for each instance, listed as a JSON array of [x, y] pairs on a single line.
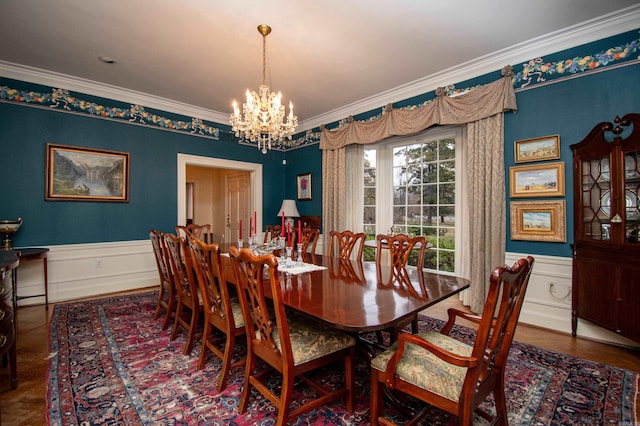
[[26, 255]]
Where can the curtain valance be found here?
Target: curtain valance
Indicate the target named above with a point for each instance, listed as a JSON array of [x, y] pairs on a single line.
[[479, 103]]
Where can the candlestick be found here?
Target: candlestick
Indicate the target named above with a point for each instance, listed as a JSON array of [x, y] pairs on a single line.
[[282, 224]]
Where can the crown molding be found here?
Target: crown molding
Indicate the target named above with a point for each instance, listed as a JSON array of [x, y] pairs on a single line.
[[604, 26], [76, 84]]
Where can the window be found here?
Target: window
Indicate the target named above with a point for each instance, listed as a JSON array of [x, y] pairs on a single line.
[[410, 187]]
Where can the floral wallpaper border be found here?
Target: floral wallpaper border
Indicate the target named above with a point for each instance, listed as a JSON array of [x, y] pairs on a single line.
[[63, 100], [534, 72]]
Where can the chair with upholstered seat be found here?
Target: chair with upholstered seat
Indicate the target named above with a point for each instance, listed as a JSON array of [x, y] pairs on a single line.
[[291, 346], [199, 232], [345, 244], [189, 301], [271, 232], [442, 371], [309, 238], [221, 310], [400, 247], [167, 292]]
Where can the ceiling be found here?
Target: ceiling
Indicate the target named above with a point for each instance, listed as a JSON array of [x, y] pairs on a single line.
[[331, 58]]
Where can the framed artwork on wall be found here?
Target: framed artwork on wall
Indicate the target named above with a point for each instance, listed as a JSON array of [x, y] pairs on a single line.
[[537, 149], [537, 180], [86, 174], [304, 186], [538, 221]]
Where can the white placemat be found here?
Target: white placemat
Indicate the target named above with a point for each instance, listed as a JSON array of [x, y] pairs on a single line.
[[306, 267]]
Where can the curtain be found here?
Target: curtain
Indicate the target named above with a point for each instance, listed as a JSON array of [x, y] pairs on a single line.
[[481, 110], [486, 205]]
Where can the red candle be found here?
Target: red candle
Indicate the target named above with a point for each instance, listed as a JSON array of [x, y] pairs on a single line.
[[240, 228], [288, 234], [250, 227], [282, 224], [255, 223], [299, 231]]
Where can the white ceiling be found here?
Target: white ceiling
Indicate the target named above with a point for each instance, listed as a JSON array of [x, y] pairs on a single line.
[[331, 58]]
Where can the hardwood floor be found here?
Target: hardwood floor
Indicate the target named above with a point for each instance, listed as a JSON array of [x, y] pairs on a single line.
[[26, 405]]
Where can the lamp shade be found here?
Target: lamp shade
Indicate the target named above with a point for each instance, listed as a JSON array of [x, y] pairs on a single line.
[[289, 208]]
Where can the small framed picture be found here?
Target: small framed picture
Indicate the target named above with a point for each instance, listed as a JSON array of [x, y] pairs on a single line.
[[537, 180], [538, 221], [86, 174], [304, 186], [537, 149]]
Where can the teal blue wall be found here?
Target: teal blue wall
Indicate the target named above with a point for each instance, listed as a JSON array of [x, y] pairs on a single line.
[[569, 107], [24, 132]]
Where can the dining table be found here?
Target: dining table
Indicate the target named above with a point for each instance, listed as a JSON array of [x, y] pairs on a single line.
[[355, 296]]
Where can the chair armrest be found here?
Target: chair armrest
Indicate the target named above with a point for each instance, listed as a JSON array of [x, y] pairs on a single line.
[[445, 355], [453, 313]]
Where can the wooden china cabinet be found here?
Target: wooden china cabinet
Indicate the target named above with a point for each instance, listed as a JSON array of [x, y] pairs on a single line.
[[606, 249]]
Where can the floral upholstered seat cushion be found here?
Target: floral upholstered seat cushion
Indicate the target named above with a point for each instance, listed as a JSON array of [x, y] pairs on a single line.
[[311, 340], [420, 367], [237, 312]]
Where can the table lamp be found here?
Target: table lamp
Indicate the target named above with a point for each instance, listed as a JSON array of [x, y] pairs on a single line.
[[290, 211]]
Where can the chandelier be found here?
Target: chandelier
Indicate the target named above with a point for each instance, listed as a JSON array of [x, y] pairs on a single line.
[[263, 115]]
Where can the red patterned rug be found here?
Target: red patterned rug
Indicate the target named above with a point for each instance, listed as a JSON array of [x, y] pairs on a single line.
[[112, 364]]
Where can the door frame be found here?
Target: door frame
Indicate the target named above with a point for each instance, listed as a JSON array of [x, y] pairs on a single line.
[[255, 179]]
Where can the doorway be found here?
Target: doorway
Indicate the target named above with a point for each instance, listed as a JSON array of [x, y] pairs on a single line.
[[242, 195]]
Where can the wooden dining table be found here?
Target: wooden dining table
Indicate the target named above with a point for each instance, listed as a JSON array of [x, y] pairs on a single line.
[[351, 296]]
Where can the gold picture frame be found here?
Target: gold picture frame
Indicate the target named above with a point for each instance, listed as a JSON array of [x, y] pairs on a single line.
[[537, 149], [538, 221], [86, 174], [537, 180], [304, 186]]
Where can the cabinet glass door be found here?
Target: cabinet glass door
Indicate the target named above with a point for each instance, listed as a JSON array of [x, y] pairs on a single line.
[[632, 186], [596, 199]]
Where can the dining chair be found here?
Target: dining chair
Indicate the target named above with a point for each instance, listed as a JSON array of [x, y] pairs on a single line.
[[308, 238], [344, 243], [199, 232], [400, 248], [271, 232], [447, 373], [221, 310], [291, 345], [187, 291], [167, 292]]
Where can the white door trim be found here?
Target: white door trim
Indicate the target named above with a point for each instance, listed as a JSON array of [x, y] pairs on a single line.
[[254, 169]]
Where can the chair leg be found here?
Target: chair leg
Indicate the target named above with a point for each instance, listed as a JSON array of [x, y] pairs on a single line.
[[348, 380], [285, 400], [188, 346], [501, 402], [170, 305], [205, 344], [176, 321], [159, 306], [246, 388], [226, 361], [377, 407]]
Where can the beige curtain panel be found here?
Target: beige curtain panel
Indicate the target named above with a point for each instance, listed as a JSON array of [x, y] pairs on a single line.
[[479, 103]]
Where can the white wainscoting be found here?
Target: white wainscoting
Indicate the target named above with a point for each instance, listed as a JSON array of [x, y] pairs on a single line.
[[84, 270], [548, 300]]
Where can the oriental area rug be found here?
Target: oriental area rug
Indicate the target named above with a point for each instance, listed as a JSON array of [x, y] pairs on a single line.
[[111, 363]]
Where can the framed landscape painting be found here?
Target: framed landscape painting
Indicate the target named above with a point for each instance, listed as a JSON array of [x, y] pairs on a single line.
[[539, 180], [538, 221], [86, 174], [537, 149]]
